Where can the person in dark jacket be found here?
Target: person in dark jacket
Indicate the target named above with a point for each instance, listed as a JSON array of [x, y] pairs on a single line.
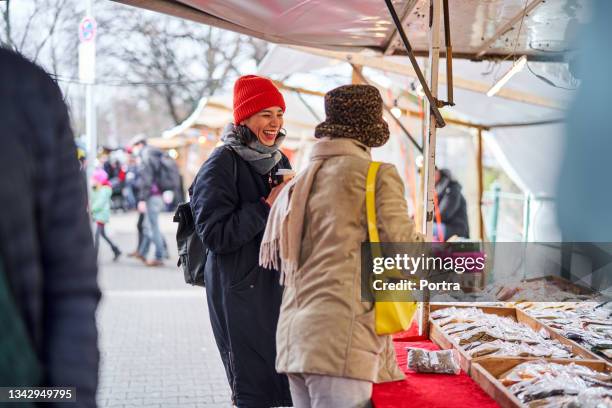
[[46, 245], [150, 203], [232, 195], [452, 205]]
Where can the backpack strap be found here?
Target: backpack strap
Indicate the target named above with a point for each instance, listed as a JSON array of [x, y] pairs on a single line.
[[234, 162], [234, 170]]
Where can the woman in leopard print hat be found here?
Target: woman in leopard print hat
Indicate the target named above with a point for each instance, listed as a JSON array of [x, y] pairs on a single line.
[[314, 235], [355, 112]]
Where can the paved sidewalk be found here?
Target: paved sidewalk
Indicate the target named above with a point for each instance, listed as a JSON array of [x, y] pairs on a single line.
[[156, 343]]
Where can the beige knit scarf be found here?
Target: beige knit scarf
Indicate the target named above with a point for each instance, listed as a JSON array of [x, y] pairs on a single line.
[[282, 240]]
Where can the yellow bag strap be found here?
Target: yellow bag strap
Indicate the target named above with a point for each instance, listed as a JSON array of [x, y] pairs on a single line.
[[371, 206]]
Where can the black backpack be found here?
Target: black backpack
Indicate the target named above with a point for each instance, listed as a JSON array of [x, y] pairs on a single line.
[[168, 176], [192, 252]]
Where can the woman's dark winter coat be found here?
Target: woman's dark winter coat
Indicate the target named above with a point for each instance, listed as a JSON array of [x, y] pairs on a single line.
[[243, 298], [453, 207], [46, 245]]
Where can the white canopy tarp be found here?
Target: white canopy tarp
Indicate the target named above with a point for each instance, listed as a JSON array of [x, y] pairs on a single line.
[[476, 25]]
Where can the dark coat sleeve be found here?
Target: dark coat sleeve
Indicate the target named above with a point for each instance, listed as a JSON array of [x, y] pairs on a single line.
[[222, 220], [70, 289]]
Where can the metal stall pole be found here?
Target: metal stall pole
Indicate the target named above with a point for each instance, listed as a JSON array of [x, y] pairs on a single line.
[[429, 149], [88, 36], [434, 119], [480, 186], [495, 212], [526, 224], [356, 78], [526, 216]]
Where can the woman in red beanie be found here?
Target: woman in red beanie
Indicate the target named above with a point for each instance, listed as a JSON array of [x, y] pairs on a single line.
[[232, 195]]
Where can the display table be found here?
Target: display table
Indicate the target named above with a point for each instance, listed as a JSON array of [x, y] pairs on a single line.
[[428, 390]]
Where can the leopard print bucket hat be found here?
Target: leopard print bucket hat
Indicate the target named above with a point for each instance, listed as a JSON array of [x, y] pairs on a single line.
[[354, 112]]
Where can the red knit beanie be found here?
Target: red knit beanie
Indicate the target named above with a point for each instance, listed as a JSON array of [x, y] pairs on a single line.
[[252, 94]]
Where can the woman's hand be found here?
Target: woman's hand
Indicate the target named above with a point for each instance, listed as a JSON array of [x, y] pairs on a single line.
[[274, 193]]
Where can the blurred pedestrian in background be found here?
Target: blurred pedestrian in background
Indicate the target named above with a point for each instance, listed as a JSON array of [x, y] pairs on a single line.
[[48, 286], [150, 202], [130, 188], [100, 206], [451, 207]]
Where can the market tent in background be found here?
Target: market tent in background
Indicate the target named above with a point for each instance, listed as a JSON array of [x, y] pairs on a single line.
[[530, 155], [479, 31]]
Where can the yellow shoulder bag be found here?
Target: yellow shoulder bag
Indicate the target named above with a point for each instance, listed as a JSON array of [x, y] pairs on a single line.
[[391, 317]]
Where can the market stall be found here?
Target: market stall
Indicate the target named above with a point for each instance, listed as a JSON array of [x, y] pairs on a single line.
[[508, 353], [521, 352]]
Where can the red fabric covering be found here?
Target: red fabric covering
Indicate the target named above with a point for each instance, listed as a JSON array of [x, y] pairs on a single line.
[[412, 334], [429, 390]]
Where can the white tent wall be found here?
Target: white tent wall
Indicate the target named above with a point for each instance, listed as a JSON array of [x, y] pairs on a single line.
[[530, 156], [401, 153]]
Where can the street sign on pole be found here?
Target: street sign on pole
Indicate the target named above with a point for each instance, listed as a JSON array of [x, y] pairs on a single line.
[[87, 50], [87, 75], [87, 29]]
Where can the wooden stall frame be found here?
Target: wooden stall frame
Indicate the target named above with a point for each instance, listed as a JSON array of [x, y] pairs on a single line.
[[444, 341]]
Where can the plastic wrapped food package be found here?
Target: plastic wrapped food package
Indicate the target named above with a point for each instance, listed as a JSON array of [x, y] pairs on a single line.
[[592, 398], [523, 294], [504, 348], [543, 384], [454, 315], [457, 313], [483, 334], [588, 323], [438, 361]]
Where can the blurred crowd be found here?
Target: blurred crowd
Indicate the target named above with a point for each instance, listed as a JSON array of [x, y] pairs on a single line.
[[138, 177]]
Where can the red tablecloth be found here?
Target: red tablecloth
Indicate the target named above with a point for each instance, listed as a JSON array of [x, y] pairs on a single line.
[[428, 390]]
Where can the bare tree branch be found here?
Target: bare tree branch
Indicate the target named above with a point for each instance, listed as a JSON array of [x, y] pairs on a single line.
[[58, 11], [6, 15], [26, 30]]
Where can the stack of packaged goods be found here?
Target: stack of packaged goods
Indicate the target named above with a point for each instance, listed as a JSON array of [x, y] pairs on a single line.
[[482, 334], [539, 383], [589, 324]]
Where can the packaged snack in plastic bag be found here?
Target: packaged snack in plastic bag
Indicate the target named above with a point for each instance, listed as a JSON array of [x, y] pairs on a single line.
[[438, 361], [539, 383]]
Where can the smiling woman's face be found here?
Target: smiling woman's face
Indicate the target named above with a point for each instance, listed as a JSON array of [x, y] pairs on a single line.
[[266, 124]]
